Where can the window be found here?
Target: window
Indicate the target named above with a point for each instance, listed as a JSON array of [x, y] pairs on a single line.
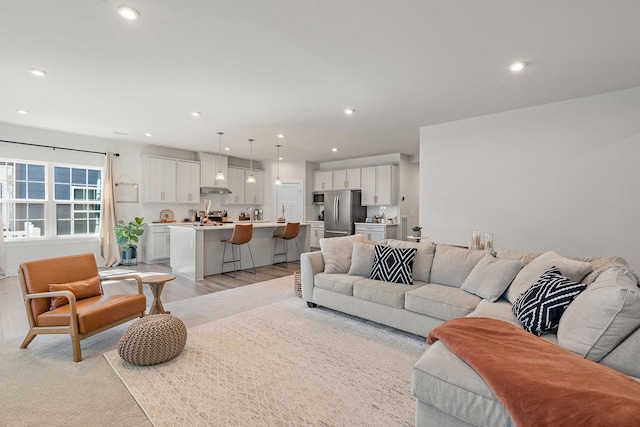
[[47, 200]]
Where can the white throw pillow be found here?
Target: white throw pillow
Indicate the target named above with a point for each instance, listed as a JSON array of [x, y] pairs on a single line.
[[361, 259], [602, 316], [452, 264], [491, 277], [574, 270], [337, 251]]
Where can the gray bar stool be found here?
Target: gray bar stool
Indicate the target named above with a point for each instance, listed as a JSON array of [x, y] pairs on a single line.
[[241, 235], [290, 232]]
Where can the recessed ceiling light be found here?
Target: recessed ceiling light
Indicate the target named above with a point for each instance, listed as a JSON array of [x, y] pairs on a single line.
[[517, 66], [38, 72], [196, 113], [281, 135], [127, 12], [227, 149], [21, 111], [148, 134], [334, 149], [349, 111], [280, 158]]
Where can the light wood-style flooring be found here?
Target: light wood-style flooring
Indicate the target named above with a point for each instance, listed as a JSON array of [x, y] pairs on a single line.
[[13, 319]]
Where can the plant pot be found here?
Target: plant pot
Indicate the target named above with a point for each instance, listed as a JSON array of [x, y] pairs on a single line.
[[417, 234], [128, 255]]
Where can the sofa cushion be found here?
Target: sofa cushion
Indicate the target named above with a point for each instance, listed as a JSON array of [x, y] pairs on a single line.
[[336, 252], [539, 309], [423, 260], [526, 257], [491, 276], [500, 309], [81, 289], [361, 259], [452, 264], [386, 293], [574, 270], [393, 264], [602, 316], [443, 380], [339, 283], [441, 302]]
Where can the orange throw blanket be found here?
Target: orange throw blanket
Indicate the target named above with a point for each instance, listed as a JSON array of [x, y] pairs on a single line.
[[539, 383]]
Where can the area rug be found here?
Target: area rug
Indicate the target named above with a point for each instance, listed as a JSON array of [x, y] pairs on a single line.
[[282, 364]]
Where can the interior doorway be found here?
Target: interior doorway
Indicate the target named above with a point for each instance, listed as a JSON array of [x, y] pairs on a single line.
[[290, 200]]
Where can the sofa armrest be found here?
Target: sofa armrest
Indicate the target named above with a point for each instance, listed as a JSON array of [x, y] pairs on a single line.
[[311, 263]]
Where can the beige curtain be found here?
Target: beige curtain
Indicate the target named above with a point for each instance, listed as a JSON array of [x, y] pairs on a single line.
[[3, 254], [109, 249]]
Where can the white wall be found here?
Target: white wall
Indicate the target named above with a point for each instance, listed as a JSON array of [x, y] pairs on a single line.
[[561, 176]]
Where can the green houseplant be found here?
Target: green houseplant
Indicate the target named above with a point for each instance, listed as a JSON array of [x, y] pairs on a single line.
[[416, 231], [128, 235]]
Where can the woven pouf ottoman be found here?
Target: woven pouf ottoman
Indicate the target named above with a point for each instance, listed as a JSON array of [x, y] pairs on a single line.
[[153, 339]]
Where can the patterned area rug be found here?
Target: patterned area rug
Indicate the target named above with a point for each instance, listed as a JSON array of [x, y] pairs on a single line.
[[282, 364]]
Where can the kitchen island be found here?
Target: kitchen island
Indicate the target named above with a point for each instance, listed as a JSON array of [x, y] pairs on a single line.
[[196, 250]]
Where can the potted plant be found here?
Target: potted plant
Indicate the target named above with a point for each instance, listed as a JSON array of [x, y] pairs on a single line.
[[128, 235], [416, 231]]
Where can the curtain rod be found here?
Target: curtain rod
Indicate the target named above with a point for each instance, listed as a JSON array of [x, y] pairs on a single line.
[[53, 147]]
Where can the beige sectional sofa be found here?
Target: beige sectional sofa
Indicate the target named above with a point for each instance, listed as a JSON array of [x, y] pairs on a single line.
[[601, 324]]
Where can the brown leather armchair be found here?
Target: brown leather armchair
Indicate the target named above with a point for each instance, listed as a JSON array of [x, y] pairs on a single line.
[[64, 296]]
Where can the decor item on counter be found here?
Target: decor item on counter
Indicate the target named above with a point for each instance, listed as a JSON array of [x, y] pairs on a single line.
[[128, 235], [166, 215], [220, 174], [416, 231], [278, 182], [488, 241], [251, 179], [476, 243]]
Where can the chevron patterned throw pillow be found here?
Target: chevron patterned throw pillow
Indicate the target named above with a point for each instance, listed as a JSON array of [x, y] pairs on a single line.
[[540, 307], [393, 264]]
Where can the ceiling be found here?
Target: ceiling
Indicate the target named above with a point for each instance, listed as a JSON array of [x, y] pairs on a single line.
[[257, 68]]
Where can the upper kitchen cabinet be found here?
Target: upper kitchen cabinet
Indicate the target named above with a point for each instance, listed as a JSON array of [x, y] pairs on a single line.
[[209, 166], [322, 180], [254, 192], [346, 179], [188, 182], [235, 183], [379, 185], [243, 192], [160, 179]]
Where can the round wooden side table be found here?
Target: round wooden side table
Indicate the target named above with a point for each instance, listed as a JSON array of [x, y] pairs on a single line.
[[156, 282]]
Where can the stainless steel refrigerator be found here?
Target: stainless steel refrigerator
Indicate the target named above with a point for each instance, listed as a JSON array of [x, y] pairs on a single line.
[[341, 210]]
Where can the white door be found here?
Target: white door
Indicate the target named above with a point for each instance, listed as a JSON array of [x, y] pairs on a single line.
[[290, 199]]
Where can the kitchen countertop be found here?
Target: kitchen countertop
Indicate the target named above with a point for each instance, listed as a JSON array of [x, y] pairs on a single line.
[[230, 225], [376, 223]]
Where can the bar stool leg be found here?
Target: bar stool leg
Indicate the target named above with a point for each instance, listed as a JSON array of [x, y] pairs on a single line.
[[252, 263]]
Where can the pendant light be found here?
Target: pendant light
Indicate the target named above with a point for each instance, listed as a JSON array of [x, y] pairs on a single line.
[[278, 182], [251, 179], [220, 174]]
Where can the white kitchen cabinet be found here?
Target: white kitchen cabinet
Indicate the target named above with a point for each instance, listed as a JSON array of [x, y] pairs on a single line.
[[376, 231], [160, 179], [155, 243], [322, 180], [379, 185], [188, 182], [235, 183], [243, 192], [254, 192], [209, 166], [346, 179], [317, 233]]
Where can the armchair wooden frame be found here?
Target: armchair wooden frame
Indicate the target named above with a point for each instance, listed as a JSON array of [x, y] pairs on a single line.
[[72, 329]]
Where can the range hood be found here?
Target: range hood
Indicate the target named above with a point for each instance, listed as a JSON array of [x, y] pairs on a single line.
[[214, 190]]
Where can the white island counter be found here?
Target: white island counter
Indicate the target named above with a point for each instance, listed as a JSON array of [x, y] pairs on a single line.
[[196, 250]]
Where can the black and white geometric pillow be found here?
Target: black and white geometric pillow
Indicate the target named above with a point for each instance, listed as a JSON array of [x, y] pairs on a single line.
[[393, 264], [539, 309]]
